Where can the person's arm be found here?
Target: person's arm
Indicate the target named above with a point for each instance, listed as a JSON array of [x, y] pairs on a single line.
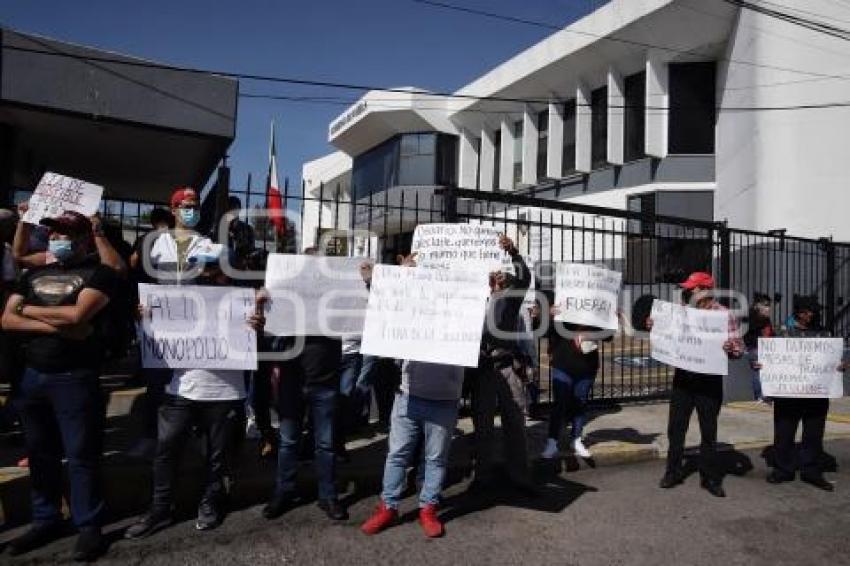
[[89, 303], [108, 254], [14, 321], [21, 243], [522, 279]]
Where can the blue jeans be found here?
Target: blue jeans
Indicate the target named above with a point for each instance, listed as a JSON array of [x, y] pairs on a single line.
[[570, 401], [412, 418], [63, 411], [321, 401]]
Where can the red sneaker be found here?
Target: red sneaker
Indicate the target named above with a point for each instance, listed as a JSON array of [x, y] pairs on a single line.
[[431, 524], [382, 518]]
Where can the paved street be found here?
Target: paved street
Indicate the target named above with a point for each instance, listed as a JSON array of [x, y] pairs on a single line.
[[609, 515]]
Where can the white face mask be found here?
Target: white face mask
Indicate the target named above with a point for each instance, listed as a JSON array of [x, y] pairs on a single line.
[[588, 347]]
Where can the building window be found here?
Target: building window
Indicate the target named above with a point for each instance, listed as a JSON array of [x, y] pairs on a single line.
[[635, 114], [497, 158], [476, 144], [517, 152], [542, 143], [599, 127], [568, 166], [692, 108], [425, 159]]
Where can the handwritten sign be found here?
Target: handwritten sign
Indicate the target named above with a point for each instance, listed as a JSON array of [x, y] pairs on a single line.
[[801, 367], [197, 327], [587, 295], [441, 246], [315, 295], [427, 315], [57, 193], [689, 339]]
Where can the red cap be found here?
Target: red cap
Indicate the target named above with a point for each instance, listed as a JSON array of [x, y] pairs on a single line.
[[69, 223], [180, 194], [698, 279]]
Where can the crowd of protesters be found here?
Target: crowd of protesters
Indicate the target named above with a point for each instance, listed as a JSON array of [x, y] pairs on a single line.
[[70, 293]]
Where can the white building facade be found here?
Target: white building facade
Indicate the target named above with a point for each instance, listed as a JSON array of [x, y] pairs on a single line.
[[691, 108]]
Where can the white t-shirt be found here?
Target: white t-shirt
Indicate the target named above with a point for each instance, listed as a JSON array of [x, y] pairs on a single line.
[[208, 384]]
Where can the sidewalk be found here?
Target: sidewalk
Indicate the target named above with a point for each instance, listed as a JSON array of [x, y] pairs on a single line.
[[616, 435]]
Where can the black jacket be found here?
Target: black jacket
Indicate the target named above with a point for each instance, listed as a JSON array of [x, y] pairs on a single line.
[[567, 356], [503, 309]]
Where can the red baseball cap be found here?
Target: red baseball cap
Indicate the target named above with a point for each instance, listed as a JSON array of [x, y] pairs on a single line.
[[698, 279], [180, 194], [69, 223]]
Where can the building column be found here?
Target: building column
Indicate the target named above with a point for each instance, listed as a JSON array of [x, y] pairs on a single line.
[[555, 148], [529, 146], [468, 166], [616, 117], [657, 104], [488, 154], [506, 163], [584, 130]]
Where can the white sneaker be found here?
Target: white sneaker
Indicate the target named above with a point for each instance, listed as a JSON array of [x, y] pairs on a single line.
[[551, 450], [580, 450], [251, 430]]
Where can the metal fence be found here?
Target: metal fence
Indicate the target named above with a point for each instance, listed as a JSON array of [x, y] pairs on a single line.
[[653, 252]]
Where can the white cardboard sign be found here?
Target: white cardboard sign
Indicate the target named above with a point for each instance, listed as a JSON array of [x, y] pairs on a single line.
[[442, 246], [801, 367], [689, 339], [587, 295], [57, 193], [197, 327], [315, 295], [426, 315]]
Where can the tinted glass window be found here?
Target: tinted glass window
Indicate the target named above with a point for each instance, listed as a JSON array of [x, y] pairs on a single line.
[[599, 127], [569, 164], [635, 114], [692, 108]]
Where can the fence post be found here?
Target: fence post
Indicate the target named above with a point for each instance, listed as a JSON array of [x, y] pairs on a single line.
[[829, 249], [450, 204], [725, 279]]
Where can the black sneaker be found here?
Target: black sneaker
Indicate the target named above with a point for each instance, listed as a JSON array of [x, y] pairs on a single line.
[[278, 505], [155, 520], [35, 537], [89, 545], [818, 481], [210, 515], [776, 476], [333, 509], [713, 487], [670, 480]]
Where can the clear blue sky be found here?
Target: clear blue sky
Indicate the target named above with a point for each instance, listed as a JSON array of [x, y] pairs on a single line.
[[374, 42]]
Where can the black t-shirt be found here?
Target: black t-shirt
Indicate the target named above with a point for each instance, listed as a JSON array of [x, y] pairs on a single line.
[[60, 285]]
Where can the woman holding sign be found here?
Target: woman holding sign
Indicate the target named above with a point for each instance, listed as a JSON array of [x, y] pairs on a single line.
[[789, 412], [574, 359]]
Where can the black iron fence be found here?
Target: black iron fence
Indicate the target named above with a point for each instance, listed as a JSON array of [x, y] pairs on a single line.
[[653, 252]]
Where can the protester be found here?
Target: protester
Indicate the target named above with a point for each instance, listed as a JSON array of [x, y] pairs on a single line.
[[309, 381], [497, 384], [56, 311], [527, 324], [426, 408], [698, 391], [210, 400], [759, 326], [574, 361], [789, 412], [240, 235]]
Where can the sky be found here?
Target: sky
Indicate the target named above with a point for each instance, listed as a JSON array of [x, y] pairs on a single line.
[[372, 42]]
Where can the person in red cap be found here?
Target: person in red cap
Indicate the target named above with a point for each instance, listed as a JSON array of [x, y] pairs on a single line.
[[698, 391], [56, 312], [213, 400]]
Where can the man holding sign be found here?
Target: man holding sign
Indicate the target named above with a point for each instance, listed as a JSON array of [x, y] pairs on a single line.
[[693, 389], [800, 372]]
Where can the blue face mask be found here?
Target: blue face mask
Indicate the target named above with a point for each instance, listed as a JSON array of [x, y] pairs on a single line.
[[190, 217], [62, 250]]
